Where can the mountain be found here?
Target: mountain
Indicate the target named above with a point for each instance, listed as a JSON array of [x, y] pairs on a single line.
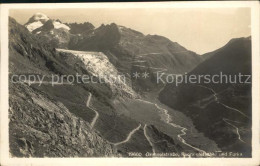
[[80, 28], [30, 56], [53, 31], [42, 124], [128, 50], [36, 21], [131, 51], [209, 54], [123, 116], [222, 111], [126, 44]]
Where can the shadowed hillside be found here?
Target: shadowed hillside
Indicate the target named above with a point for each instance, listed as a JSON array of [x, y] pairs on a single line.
[[221, 111]]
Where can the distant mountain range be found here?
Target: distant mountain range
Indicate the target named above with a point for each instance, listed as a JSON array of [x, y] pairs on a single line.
[[130, 117]]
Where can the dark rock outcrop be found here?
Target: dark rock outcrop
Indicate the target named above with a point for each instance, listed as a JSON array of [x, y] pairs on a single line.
[[42, 127]]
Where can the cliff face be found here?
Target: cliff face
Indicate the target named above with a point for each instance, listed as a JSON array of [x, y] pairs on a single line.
[[42, 127]]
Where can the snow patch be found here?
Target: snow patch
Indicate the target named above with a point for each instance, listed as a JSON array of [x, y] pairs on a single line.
[[34, 25], [58, 25]]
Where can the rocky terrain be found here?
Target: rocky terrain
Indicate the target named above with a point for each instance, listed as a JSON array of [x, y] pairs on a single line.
[[43, 127], [131, 51], [30, 56]]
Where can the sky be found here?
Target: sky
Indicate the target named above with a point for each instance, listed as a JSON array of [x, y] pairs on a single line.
[[199, 30]]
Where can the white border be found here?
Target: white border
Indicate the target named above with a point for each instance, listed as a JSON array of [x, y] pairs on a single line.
[[5, 160]]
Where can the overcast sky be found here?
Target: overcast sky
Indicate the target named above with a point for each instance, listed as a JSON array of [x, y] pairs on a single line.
[[199, 30]]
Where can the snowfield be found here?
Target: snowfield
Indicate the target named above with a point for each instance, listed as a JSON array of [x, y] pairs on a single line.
[[58, 25], [34, 25]]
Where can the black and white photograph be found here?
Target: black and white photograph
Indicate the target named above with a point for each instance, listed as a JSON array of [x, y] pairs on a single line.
[[131, 82]]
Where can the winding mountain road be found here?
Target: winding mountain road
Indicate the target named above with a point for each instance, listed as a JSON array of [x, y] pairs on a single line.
[[140, 61], [237, 130], [217, 100], [128, 136], [182, 129], [160, 70], [148, 139], [46, 83], [159, 53], [151, 67], [92, 124], [152, 53], [227, 121], [94, 120]]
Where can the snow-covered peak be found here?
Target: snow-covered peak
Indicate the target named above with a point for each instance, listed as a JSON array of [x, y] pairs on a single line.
[[36, 21], [40, 17]]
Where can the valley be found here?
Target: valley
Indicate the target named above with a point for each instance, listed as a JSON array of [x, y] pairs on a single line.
[[136, 110]]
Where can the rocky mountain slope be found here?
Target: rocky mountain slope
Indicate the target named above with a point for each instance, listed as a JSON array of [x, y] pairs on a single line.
[[42, 124], [210, 54], [28, 55], [42, 127], [131, 51], [220, 110], [128, 50], [80, 28]]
